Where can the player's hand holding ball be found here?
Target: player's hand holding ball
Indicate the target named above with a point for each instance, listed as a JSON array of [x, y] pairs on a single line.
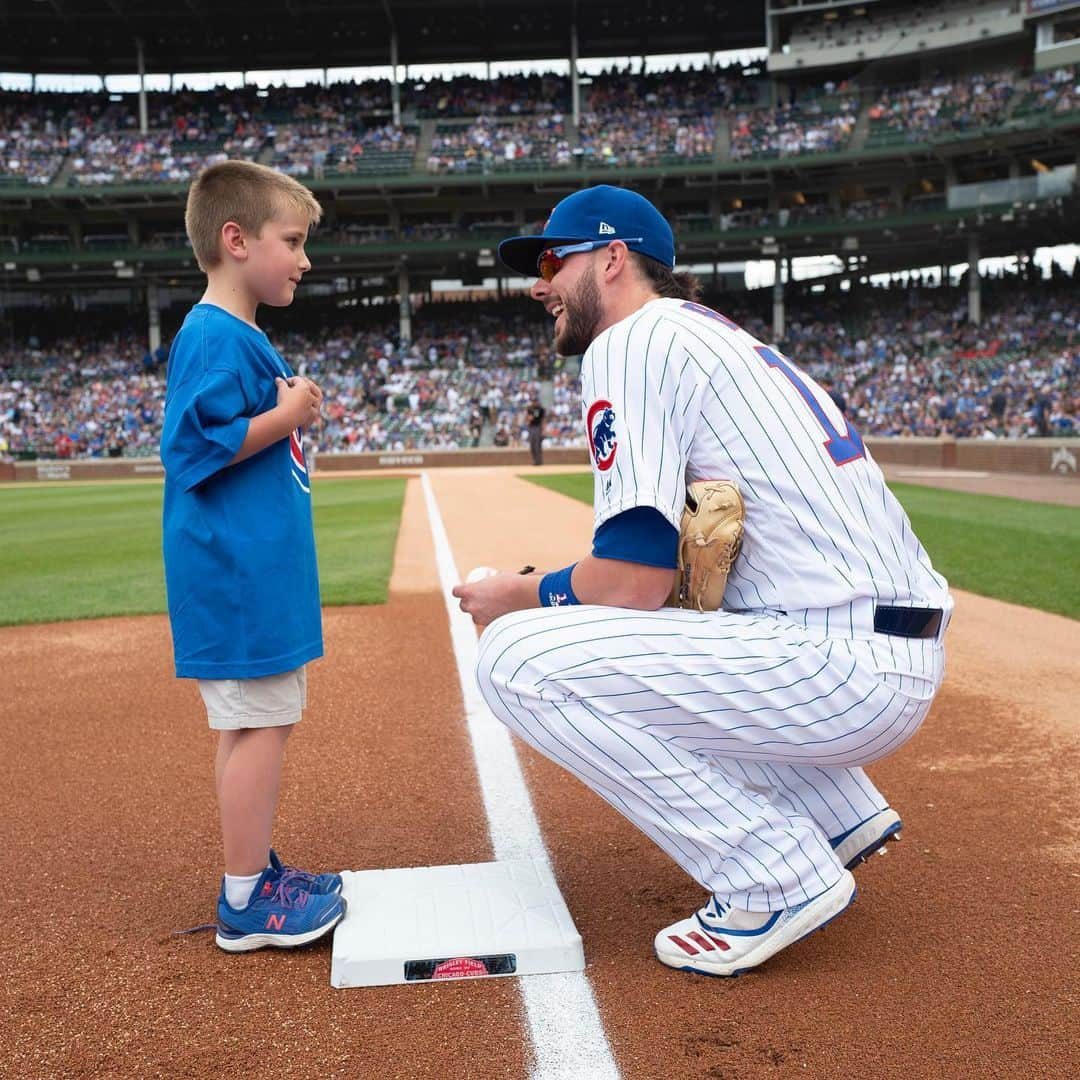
[[485, 594]]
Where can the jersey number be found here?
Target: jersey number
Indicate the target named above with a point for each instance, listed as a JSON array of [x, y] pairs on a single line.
[[842, 448]]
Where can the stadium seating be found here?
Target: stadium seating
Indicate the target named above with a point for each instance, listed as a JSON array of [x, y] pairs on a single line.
[[505, 124], [905, 359], [821, 123], [943, 109]]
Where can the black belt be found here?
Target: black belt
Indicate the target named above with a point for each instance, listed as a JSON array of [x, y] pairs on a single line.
[[913, 622]]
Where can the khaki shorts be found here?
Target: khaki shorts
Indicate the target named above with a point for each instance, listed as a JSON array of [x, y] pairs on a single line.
[[272, 701]]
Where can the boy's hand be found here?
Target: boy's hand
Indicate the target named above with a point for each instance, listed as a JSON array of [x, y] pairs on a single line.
[[311, 382], [299, 399]]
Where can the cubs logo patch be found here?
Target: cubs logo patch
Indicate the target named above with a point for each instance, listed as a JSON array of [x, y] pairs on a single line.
[[602, 442], [296, 456]]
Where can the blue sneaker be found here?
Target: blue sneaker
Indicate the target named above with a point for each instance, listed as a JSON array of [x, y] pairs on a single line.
[[280, 913], [859, 843], [316, 883]]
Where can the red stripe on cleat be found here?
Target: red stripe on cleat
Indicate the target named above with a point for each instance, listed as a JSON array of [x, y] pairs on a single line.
[[721, 944], [702, 940], [684, 945]]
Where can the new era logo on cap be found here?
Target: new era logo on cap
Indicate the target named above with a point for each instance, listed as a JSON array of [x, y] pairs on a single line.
[[596, 214]]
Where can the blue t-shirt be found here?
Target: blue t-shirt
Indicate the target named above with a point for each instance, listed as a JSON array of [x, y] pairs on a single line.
[[239, 545]]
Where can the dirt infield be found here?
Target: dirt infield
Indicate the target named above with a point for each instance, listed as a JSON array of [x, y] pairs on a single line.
[[958, 959]]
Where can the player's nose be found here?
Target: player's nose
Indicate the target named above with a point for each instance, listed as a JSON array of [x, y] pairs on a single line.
[[540, 291]]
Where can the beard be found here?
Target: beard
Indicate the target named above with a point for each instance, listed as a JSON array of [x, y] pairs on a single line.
[[580, 319]]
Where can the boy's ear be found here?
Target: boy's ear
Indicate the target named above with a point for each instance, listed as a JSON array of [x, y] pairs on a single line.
[[233, 241]]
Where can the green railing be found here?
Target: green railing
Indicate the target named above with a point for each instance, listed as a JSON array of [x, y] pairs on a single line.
[[702, 233], [581, 171]]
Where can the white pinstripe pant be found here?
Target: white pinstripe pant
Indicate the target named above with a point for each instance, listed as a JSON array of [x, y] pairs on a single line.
[[732, 740]]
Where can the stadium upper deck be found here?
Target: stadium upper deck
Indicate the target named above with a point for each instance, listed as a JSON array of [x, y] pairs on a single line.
[[511, 123], [887, 166], [740, 163]]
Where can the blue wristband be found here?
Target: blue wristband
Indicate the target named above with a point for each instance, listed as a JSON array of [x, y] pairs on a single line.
[[555, 588]]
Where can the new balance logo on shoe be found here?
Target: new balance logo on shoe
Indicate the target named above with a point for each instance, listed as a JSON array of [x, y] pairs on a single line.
[[287, 910], [606, 229]]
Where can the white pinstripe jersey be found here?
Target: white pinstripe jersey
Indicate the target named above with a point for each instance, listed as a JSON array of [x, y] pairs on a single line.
[[677, 392]]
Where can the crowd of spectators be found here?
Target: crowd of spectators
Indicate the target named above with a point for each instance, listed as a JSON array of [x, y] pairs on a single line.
[[945, 106], [904, 361], [31, 145], [634, 136], [80, 399], [334, 146], [506, 95], [1053, 92], [128, 157], [685, 90], [819, 124], [489, 144], [914, 366], [627, 118]]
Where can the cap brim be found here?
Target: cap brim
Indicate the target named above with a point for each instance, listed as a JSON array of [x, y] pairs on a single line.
[[521, 252]]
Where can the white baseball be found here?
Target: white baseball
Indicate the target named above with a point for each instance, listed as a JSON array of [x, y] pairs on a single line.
[[478, 573]]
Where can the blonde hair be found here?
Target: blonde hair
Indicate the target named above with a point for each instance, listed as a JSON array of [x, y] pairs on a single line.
[[246, 193]]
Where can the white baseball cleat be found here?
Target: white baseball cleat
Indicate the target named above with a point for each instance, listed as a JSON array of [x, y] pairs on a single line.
[[859, 843], [718, 940]]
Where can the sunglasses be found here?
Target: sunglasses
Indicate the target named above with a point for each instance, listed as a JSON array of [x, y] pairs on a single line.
[[551, 261]]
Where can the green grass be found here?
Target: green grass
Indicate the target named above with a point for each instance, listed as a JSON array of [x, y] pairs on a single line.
[[78, 551], [1010, 549], [356, 528]]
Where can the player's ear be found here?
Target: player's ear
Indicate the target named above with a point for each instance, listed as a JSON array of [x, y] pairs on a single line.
[[233, 241], [616, 259]]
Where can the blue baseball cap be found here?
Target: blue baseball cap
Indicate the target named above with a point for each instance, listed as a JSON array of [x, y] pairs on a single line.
[[600, 213]]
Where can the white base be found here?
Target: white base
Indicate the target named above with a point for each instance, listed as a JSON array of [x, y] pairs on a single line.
[[452, 922]]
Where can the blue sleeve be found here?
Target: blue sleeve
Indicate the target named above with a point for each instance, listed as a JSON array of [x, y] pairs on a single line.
[[640, 535], [205, 425]]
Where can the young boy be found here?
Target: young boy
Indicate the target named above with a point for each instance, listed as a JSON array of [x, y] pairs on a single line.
[[238, 541]]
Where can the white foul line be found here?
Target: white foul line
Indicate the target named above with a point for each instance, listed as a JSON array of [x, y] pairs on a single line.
[[567, 1035]]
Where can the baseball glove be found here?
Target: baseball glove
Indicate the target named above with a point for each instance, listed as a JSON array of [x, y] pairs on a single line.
[[709, 542]]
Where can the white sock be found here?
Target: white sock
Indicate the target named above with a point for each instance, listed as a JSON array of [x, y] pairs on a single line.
[[238, 890]]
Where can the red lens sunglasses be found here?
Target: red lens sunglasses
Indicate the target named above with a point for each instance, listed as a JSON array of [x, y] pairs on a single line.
[[551, 261]]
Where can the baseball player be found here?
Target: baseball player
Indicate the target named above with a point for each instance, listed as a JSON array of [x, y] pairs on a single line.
[[734, 738]]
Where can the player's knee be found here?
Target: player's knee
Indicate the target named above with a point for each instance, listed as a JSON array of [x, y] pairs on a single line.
[[506, 666]]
